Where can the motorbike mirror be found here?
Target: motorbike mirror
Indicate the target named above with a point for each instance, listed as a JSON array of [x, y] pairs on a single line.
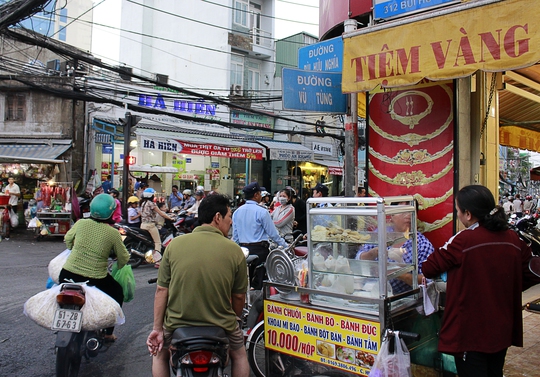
[[245, 250], [534, 265]]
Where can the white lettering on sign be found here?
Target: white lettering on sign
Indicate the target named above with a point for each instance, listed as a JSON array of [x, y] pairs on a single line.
[[321, 50], [314, 80]]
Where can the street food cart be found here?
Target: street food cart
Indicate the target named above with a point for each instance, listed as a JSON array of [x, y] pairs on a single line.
[[333, 323], [55, 215]]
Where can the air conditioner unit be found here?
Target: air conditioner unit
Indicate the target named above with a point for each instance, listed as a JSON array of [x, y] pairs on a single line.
[[162, 79], [127, 76], [238, 90], [53, 65]]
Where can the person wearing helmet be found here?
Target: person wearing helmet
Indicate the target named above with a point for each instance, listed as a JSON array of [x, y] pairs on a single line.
[[149, 210], [134, 216], [527, 204], [91, 241], [189, 200], [193, 212], [266, 199], [117, 215]]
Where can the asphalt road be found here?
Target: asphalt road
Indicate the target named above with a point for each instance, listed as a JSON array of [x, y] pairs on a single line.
[[27, 349]]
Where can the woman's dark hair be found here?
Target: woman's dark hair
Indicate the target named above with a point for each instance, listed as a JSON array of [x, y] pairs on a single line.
[[479, 201], [289, 194], [212, 204]]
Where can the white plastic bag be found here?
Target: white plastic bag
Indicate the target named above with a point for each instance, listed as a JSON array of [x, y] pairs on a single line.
[[56, 265], [430, 297], [13, 218], [99, 311], [396, 364], [32, 223], [41, 307]]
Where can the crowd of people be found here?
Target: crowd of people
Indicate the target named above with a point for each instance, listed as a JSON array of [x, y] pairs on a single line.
[[473, 260], [514, 205]]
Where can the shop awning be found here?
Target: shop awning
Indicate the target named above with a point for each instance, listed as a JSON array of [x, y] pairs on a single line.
[[448, 44], [287, 151], [33, 153], [165, 141]]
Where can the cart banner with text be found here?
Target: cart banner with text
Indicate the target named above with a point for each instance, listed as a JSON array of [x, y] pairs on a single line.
[[200, 149], [411, 152], [495, 37], [342, 342]]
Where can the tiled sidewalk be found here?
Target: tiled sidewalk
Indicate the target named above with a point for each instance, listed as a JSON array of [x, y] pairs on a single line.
[[525, 362]]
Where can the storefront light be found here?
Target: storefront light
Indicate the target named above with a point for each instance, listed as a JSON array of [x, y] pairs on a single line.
[[133, 144]]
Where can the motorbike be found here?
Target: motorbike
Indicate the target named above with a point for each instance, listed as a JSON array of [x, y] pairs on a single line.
[[199, 351], [180, 223], [72, 343], [527, 230], [139, 242]]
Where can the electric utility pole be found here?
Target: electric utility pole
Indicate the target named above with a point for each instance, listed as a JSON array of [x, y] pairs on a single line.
[[130, 121]]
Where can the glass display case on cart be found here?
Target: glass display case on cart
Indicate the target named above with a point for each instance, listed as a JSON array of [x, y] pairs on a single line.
[[362, 280]]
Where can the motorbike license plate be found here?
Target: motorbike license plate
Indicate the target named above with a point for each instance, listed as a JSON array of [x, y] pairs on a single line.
[[86, 215], [67, 320]]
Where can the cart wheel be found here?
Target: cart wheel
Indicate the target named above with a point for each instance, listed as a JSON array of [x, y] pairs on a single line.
[[255, 350]]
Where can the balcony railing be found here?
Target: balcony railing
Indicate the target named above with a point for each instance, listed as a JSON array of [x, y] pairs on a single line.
[[261, 38]]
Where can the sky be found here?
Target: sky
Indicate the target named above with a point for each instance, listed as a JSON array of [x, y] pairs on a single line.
[[292, 17]]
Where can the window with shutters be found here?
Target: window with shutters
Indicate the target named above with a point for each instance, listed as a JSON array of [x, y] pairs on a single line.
[[16, 106]]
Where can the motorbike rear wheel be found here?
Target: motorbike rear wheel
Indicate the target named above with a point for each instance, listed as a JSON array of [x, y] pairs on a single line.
[[134, 260], [68, 360], [256, 352]]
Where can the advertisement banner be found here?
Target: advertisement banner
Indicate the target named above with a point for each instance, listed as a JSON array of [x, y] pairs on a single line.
[[346, 343], [496, 37], [290, 155], [214, 150], [264, 122]]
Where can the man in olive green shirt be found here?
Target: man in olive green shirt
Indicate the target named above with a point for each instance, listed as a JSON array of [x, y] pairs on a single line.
[[202, 281]]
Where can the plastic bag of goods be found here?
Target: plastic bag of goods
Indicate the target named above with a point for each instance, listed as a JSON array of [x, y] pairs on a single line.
[[56, 265], [99, 311]]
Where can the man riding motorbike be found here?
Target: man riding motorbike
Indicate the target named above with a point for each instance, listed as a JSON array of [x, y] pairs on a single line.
[[192, 292], [91, 241]]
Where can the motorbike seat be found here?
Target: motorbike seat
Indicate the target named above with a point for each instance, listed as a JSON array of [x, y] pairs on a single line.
[[200, 334], [251, 259], [300, 251]]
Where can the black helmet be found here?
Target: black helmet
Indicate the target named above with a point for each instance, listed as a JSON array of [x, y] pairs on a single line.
[[115, 192]]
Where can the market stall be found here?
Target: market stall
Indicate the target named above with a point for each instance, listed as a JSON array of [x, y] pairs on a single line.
[[54, 213], [334, 323]]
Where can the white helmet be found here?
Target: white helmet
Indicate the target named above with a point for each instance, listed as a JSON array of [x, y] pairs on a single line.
[[187, 192], [148, 193]]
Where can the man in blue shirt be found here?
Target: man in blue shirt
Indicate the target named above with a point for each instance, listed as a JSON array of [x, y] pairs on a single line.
[[253, 228], [175, 199], [107, 185]]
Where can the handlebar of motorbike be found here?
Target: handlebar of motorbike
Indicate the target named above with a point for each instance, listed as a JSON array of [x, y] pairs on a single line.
[[404, 334]]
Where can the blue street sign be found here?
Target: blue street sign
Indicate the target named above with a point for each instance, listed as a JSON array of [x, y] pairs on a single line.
[[324, 56], [385, 9], [313, 91]]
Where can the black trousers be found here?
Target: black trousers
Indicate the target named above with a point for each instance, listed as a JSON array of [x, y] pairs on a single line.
[[257, 275], [479, 364], [107, 285]]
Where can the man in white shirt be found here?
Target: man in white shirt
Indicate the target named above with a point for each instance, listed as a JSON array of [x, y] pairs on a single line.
[[507, 206], [518, 206], [14, 192]]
